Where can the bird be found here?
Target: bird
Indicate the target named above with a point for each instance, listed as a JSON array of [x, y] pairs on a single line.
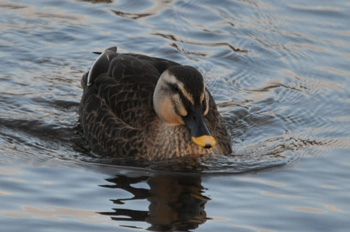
[[149, 108]]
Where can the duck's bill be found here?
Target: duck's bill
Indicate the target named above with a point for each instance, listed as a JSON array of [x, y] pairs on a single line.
[[198, 129]]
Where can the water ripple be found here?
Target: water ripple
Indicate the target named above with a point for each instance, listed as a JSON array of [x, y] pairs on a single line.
[[279, 72]]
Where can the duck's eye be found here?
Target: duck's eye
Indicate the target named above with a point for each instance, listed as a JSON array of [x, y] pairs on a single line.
[[174, 87]]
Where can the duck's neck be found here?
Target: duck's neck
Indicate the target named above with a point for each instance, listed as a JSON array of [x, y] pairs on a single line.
[[169, 141]]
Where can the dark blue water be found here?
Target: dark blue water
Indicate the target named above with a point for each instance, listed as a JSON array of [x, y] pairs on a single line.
[[278, 70]]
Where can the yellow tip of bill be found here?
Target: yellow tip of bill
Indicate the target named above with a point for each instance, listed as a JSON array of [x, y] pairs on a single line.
[[205, 141]]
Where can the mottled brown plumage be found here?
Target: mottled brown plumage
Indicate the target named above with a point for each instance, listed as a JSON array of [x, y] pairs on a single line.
[[117, 110]]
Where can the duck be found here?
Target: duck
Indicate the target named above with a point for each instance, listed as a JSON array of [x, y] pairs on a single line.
[[150, 108]]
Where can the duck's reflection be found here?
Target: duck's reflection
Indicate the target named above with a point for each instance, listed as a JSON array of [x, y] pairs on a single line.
[[175, 202]]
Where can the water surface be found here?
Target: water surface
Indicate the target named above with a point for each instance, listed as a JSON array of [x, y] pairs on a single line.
[[278, 70]]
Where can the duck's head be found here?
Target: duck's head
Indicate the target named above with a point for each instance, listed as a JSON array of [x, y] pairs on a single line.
[[180, 98]]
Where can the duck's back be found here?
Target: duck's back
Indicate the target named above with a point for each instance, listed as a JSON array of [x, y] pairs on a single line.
[[125, 84]]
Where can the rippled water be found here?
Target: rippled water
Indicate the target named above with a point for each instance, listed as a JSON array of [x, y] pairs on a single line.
[[279, 71]]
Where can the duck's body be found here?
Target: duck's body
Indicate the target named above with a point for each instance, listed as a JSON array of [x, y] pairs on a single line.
[[133, 105]]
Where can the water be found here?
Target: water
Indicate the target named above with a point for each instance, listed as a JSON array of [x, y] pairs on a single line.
[[279, 71]]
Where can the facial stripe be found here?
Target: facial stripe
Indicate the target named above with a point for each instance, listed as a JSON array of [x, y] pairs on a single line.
[[179, 89], [206, 104], [178, 105], [185, 102], [202, 97], [174, 83], [188, 96]]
